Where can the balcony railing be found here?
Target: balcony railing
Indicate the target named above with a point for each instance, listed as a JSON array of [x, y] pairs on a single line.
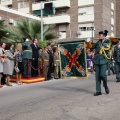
[[57, 19], [58, 4], [86, 18], [5, 3]]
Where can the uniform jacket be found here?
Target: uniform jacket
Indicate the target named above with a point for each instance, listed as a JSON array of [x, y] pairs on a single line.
[[27, 50], [116, 54], [56, 59], [45, 57], [35, 53], [100, 58]]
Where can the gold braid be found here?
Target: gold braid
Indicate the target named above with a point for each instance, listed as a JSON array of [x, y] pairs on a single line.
[[103, 49]]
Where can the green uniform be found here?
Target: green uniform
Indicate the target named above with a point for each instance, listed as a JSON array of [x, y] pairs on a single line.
[[56, 65], [45, 57], [27, 57], [116, 56], [100, 62]]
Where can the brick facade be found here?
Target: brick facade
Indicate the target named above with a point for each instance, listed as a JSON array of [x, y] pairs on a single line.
[[102, 16], [117, 18], [102, 9]]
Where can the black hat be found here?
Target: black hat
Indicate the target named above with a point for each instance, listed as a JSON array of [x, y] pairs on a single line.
[[48, 43], [104, 32]]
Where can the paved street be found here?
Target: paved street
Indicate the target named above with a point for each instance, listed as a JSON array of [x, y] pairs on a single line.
[[66, 99]]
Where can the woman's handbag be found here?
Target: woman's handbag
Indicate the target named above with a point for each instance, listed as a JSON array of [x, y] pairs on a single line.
[[16, 68]]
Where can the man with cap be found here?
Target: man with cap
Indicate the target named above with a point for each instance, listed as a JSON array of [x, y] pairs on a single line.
[[45, 57], [102, 47], [27, 57], [116, 56]]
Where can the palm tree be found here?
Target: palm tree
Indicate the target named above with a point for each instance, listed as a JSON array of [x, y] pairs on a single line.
[[31, 29], [3, 32]]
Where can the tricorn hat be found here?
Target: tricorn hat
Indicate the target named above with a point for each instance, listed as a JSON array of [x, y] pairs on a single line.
[[104, 32]]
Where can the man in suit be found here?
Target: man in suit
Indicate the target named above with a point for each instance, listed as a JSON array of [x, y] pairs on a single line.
[[116, 56], [45, 57], [3, 79], [35, 56], [101, 58], [50, 69], [27, 57]]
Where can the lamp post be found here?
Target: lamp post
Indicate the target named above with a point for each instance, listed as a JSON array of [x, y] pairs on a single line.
[[41, 13], [93, 29], [41, 21]]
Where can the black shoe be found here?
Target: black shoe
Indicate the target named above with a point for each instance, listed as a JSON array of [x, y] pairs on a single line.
[[118, 80], [107, 90], [97, 93]]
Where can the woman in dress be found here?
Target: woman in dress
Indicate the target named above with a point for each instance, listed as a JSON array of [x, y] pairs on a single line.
[[9, 63], [89, 58], [19, 63]]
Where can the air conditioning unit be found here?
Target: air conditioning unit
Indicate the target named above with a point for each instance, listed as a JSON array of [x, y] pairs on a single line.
[[11, 21]]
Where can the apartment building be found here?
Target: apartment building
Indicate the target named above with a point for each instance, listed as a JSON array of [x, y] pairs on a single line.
[[74, 18]]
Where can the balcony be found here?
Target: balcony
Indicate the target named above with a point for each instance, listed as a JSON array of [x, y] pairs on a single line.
[[86, 18], [57, 19], [85, 2], [58, 4], [5, 3], [25, 10], [86, 34]]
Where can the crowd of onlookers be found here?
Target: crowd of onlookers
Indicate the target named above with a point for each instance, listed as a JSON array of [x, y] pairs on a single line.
[[14, 61]]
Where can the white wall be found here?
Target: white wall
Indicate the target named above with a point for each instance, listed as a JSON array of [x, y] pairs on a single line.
[[85, 2], [86, 18], [6, 2], [86, 34]]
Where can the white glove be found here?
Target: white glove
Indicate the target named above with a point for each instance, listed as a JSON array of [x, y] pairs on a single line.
[[88, 39], [54, 64], [107, 37]]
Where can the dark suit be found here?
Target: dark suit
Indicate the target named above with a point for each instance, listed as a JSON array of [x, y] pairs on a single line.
[[35, 56], [50, 69], [116, 56]]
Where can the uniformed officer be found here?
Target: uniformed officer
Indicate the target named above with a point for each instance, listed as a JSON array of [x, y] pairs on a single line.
[[56, 63], [27, 57], [116, 56], [101, 58], [110, 65], [45, 57]]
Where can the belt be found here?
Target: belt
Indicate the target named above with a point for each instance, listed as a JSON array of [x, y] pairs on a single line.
[[27, 51], [46, 60], [57, 60]]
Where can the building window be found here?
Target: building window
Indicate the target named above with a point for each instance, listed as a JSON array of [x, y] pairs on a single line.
[[82, 28], [112, 34], [112, 21], [23, 4], [112, 13], [112, 5], [112, 28], [86, 10]]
